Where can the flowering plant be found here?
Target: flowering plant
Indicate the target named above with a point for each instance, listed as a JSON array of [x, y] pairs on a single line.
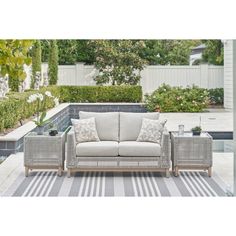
[[177, 99], [41, 100]]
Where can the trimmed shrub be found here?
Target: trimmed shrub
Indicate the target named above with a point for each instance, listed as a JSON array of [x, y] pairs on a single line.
[[36, 61], [177, 99], [14, 82], [16, 108], [216, 96], [100, 93], [53, 63]]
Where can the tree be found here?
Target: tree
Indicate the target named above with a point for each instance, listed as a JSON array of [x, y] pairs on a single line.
[[67, 52], [13, 55], [214, 52], [85, 51], [70, 51], [118, 61], [45, 44], [53, 63], [36, 60], [168, 52]]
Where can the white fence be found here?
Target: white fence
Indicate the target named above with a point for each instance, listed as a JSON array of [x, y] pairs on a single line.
[[205, 76], [73, 74]]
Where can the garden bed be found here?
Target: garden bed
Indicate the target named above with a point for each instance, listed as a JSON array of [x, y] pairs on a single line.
[[16, 108], [19, 124], [179, 99]]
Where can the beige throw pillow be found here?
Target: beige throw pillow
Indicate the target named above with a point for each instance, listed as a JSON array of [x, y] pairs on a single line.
[[85, 130], [151, 131]]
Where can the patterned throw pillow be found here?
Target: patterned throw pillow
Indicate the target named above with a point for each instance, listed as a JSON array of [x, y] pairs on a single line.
[[85, 130], [151, 131]]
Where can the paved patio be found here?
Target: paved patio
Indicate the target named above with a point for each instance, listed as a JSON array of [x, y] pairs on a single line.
[[216, 120], [48, 184]]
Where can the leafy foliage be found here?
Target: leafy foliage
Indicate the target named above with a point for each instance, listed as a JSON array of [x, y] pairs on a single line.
[[17, 108], [216, 96], [156, 52], [85, 51], [214, 52], [45, 45], [177, 99], [13, 55], [53, 63], [197, 129], [36, 60], [168, 52], [70, 51], [101, 93], [67, 50], [118, 61]]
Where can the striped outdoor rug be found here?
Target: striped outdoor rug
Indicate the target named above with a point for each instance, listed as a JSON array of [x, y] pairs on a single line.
[[145, 184]]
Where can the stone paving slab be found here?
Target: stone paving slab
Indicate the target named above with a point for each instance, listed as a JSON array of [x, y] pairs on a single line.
[[210, 121]]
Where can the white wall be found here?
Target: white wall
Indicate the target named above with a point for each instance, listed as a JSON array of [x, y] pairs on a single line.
[[228, 74], [152, 76]]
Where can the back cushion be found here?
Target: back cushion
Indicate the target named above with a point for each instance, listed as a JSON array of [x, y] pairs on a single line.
[[131, 123], [107, 124]]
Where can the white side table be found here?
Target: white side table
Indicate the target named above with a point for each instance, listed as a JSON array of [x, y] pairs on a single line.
[[191, 152], [44, 152]]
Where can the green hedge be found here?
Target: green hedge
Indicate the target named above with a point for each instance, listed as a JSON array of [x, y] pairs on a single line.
[[216, 96], [100, 93], [177, 99], [16, 108]]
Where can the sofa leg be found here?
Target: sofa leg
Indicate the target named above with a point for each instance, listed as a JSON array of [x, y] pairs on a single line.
[[68, 173], [26, 171], [167, 173], [176, 171], [210, 171], [59, 172]]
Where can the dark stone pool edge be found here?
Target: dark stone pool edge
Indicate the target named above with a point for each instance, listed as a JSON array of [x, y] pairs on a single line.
[[219, 135]]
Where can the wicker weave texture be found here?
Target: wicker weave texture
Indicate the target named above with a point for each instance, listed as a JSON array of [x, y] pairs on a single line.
[[44, 150], [190, 150], [160, 162]]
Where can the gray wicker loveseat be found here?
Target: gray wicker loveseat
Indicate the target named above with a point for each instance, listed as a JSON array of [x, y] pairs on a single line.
[[118, 149]]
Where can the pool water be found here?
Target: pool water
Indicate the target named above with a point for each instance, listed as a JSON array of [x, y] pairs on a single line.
[[222, 146]]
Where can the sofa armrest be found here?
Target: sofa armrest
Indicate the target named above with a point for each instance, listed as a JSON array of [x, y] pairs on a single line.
[[165, 146], [71, 149]]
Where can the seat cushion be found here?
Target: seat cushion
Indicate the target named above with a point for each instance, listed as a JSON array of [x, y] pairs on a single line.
[[130, 124], [139, 149], [102, 148], [107, 124]]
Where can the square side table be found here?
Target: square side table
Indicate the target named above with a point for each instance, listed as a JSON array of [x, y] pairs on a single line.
[[44, 152], [191, 152]]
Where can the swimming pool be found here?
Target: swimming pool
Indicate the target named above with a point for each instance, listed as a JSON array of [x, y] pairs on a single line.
[[225, 145]]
